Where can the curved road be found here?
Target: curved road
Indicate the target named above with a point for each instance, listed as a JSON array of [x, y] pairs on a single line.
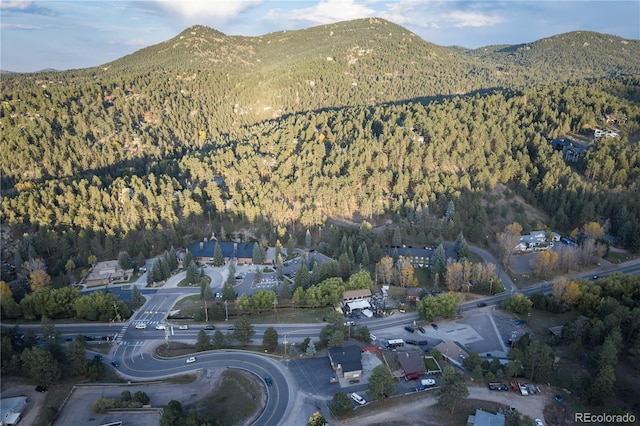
[[279, 401]]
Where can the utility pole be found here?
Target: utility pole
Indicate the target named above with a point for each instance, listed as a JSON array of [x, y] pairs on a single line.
[[285, 345], [226, 311], [275, 303], [116, 308], [206, 311]]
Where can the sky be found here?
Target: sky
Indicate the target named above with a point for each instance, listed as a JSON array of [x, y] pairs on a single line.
[[71, 34]]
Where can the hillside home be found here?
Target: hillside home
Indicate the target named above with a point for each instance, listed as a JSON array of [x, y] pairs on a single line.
[[346, 361], [598, 133], [537, 240], [414, 295], [419, 257], [105, 272]]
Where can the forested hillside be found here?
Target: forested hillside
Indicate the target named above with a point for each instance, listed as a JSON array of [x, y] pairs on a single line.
[[357, 118]]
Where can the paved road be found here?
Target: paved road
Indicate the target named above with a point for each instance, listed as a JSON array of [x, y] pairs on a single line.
[[138, 365]]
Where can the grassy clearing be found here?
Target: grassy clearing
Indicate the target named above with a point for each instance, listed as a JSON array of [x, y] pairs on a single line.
[[617, 257], [192, 306], [181, 380], [53, 402], [540, 321], [236, 399]]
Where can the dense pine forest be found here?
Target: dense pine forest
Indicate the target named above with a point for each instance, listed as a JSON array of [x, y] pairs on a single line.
[[277, 134]]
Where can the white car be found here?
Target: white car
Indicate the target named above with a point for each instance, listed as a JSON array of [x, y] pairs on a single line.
[[161, 327], [358, 399], [141, 326], [372, 337], [191, 359], [539, 422], [183, 327]]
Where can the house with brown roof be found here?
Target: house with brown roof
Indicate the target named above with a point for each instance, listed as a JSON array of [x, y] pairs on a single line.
[[453, 352], [105, 272], [412, 363]]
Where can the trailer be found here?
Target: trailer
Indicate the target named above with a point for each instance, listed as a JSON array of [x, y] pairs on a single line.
[[394, 343]]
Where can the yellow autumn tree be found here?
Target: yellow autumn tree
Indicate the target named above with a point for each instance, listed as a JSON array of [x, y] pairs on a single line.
[[37, 271], [593, 230], [545, 262]]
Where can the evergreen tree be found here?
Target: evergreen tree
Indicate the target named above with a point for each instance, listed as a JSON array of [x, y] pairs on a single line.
[[137, 299], [452, 389], [311, 349], [203, 343], [218, 258], [258, 256], [439, 261], [124, 261], [290, 247], [172, 259], [243, 330], [307, 240], [381, 382], [461, 248], [218, 340], [396, 238], [270, 339]]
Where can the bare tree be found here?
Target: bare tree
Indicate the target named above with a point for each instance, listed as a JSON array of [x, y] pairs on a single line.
[[507, 241]]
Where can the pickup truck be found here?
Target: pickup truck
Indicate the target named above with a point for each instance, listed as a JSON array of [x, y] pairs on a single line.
[[498, 387]]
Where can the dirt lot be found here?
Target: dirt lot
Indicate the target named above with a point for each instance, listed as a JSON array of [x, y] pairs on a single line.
[[421, 410], [78, 408]]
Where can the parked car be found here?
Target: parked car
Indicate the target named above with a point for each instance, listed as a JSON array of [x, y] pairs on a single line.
[[481, 305], [231, 328], [372, 337], [518, 322], [41, 389], [435, 326], [209, 327], [539, 422], [412, 376], [99, 356], [191, 359], [268, 381], [333, 379], [358, 399], [411, 342], [141, 326], [421, 330], [423, 342], [183, 327], [409, 328], [115, 363]]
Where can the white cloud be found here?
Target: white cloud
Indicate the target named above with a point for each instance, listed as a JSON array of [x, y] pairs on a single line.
[[15, 4], [200, 10], [461, 19], [327, 12]]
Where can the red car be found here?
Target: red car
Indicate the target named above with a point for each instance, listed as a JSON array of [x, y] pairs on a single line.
[[412, 376]]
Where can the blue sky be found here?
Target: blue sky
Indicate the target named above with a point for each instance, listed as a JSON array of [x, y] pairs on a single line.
[[35, 35]]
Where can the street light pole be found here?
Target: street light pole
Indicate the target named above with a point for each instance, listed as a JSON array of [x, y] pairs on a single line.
[[226, 311], [285, 345]]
